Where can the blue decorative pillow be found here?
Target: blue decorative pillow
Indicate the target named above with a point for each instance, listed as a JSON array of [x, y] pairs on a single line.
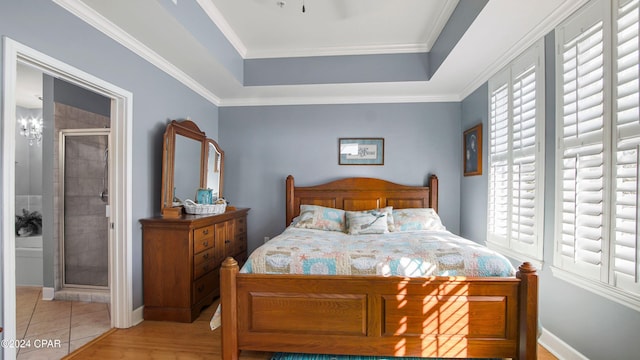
[[320, 218], [416, 219], [367, 222]]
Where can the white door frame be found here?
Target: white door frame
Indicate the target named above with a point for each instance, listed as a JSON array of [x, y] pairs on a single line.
[[121, 278]]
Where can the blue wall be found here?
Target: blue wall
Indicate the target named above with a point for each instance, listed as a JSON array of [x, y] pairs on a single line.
[[337, 69], [265, 144], [473, 203], [72, 95], [157, 97]]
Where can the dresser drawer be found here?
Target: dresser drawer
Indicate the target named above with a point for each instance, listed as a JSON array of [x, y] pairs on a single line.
[[241, 225], [203, 256], [205, 285], [203, 268], [203, 238], [241, 243]]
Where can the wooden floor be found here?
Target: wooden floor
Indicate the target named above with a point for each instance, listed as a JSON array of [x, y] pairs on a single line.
[[162, 340], [167, 340]]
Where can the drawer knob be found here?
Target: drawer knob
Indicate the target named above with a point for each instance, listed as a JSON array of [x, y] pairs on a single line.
[[201, 288], [205, 231], [227, 241], [205, 256], [205, 243]]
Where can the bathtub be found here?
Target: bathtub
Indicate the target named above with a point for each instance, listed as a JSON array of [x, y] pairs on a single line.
[[29, 260]]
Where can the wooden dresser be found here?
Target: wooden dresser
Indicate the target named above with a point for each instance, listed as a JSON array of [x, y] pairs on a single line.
[[182, 258]]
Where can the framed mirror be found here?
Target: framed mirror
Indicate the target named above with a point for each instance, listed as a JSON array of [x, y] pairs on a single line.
[[190, 161], [215, 168]]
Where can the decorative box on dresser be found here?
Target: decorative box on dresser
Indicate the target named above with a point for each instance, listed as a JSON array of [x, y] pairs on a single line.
[[182, 258]]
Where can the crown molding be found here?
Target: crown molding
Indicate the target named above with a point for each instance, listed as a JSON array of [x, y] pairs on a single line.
[[339, 100], [440, 22], [567, 8], [216, 16], [339, 51], [93, 18]]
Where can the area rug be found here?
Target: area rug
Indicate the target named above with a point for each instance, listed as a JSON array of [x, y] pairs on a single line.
[[294, 356]]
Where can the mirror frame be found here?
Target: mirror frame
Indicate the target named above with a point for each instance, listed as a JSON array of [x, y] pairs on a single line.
[[190, 130]]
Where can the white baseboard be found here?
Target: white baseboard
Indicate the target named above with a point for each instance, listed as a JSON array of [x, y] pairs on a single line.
[[559, 348], [137, 316], [48, 293]]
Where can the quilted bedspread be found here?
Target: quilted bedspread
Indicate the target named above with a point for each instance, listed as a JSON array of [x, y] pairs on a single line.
[[403, 253]]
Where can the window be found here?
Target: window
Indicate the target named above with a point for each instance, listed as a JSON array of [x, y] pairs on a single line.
[[516, 168], [598, 138]]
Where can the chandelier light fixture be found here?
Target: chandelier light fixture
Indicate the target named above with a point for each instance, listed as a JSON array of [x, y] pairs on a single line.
[[31, 128]]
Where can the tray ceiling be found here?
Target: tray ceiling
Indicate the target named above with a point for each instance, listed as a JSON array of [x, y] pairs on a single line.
[[263, 29]]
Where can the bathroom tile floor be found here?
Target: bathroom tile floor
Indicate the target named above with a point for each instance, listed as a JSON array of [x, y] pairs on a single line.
[[63, 325]]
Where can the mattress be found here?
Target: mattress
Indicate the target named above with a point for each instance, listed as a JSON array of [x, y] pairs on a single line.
[[401, 253]]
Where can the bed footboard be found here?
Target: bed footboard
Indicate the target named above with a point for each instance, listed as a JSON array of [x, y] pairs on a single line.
[[370, 315]]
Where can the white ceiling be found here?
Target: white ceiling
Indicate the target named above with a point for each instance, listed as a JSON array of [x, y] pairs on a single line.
[[333, 27], [261, 28]]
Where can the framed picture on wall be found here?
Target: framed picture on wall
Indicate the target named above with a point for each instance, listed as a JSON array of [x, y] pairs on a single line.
[[472, 151], [361, 151]]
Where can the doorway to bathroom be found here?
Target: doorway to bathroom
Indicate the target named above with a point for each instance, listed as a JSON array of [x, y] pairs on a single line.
[[120, 197]]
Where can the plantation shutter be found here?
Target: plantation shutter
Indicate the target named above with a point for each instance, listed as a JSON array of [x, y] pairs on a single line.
[[581, 145], [626, 102], [499, 165], [515, 161], [523, 168]]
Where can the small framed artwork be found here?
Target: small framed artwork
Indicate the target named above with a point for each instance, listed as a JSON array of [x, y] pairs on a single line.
[[361, 151], [204, 196], [472, 151]]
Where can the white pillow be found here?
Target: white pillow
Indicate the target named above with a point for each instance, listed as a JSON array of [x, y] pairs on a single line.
[[416, 219], [367, 222]]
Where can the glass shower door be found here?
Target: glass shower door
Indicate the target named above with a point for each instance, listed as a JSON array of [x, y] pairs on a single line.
[[85, 229]]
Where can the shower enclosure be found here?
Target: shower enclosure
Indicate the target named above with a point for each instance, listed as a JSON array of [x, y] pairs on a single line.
[[84, 203]]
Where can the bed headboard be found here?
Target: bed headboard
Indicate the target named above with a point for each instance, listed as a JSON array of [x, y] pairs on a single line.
[[360, 193]]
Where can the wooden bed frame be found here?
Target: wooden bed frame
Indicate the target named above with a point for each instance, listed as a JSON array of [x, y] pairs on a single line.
[[457, 317]]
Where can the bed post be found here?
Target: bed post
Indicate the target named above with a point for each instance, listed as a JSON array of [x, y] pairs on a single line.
[[229, 309], [433, 192], [289, 193], [528, 312]]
